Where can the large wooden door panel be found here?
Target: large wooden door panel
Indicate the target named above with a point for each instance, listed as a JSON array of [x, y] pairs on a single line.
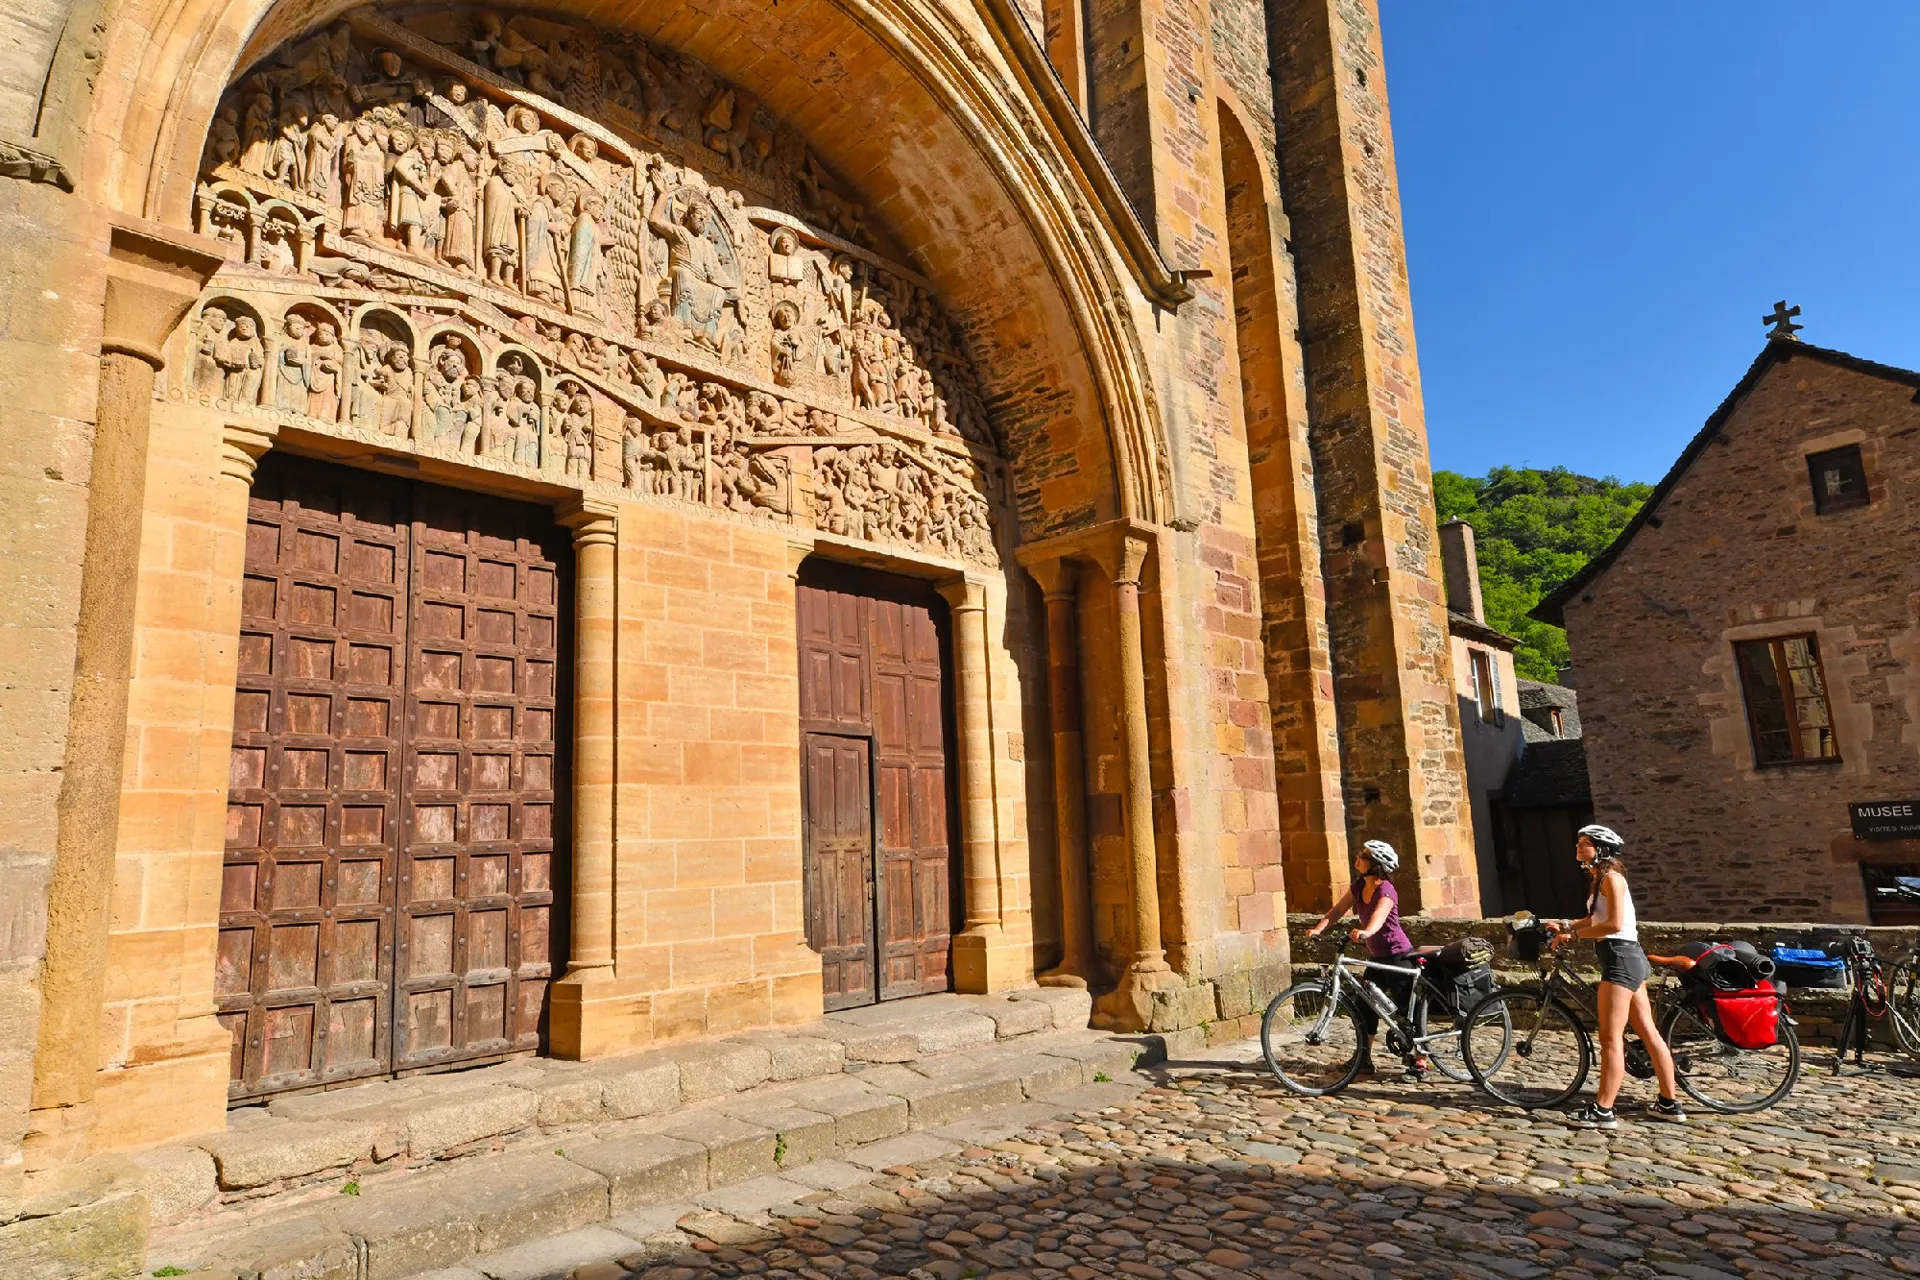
[[839, 865], [303, 974], [387, 893]]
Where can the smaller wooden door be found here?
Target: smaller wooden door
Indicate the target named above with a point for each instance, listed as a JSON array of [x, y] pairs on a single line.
[[874, 732], [839, 863]]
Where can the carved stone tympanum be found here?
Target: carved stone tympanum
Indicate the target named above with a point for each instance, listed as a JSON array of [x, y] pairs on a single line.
[[547, 248]]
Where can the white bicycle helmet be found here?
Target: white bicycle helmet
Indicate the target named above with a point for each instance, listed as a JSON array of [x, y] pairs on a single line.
[[1606, 838], [1380, 853]]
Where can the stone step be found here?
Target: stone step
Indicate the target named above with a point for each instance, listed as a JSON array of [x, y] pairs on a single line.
[[640, 1146]]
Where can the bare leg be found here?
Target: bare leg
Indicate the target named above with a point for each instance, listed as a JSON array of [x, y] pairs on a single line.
[[1641, 1014], [1615, 1003]]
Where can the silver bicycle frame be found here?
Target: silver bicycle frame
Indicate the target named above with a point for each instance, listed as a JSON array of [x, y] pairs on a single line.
[[1343, 962]]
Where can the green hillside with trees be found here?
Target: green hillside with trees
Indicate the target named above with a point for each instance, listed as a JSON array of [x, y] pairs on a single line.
[[1534, 530]]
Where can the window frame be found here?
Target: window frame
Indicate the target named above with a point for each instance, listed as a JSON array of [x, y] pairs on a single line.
[[1824, 505], [1486, 684], [1789, 701]]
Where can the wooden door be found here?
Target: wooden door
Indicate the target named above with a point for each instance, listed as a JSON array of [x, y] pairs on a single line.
[[909, 727], [303, 977], [874, 721], [839, 865], [476, 880], [387, 897]]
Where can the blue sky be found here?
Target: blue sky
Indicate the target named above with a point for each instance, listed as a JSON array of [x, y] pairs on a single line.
[[1602, 199]]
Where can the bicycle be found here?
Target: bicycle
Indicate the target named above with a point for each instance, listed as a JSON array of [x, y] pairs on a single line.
[[1310, 1033], [1903, 992], [1538, 1047]]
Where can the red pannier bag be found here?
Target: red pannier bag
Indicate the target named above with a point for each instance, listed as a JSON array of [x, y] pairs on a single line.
[[1748, 1019]]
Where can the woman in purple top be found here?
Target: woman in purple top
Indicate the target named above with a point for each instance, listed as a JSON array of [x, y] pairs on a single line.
[[1376, 902]]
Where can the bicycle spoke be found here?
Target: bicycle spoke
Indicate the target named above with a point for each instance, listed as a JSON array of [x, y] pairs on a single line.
[[1525, 1050], [1726, 1078], [1311, 1043]]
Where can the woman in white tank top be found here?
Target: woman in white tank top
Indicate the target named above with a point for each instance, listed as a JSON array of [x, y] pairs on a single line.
[[1615, 930]]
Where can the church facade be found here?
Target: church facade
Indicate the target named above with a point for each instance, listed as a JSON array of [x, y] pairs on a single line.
[[562, 530]]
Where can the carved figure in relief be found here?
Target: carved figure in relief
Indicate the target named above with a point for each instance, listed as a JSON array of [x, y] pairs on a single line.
[[441, 392], [287, 153], [257, 128], [523, 414], [363, 167], [500, 231], [326, 367], [409, 191], [788, 347], [324, 140], [208, 378], [683, 462], [546, 231], [363, 400], [579, 436], [290, 383], [785, 262], [643, 371], [472, 408], [652, 76], [586, 264], [455, 189], [240, 361], [636, 455], [701, 285], [749, 482], [223, 138], [496, 429], [394, 379]]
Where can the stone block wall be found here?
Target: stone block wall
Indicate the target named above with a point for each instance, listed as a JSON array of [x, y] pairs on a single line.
[[1735, 552]]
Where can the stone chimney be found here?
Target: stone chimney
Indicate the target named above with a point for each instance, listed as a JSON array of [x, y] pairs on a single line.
[[1462, 566]]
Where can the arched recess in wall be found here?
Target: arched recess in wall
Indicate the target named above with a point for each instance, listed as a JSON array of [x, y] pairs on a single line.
[[1286, 529], [966, 182]]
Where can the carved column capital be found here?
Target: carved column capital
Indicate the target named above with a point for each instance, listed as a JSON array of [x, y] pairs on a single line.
[[594, 521], [964, 595], [241, 447], [798, 549], [1059, 577], [154, 274]]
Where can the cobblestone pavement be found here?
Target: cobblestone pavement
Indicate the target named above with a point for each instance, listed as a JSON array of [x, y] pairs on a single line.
[[1216, 1172]]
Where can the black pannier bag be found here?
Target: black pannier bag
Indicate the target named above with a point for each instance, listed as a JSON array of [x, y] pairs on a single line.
[[1461, 975]]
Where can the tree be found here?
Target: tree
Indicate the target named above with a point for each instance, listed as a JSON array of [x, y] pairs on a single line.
[[1534, 530]]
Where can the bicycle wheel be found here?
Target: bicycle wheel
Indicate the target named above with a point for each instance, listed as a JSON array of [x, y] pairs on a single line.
[[1312, 1046], [1447, 1051], [1724, 1077], [1526, 1048], [1904, 1005]]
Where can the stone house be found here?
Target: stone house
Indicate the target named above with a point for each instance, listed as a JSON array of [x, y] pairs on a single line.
[[563, 532], [1487, 693], [1747, 652]]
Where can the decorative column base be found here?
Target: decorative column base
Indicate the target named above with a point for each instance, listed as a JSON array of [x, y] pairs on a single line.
[[991, 957], [1129, 1007], [592, 1013]]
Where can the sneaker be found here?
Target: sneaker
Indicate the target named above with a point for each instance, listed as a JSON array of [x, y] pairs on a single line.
[[1667, 1109], [1597, 1116]]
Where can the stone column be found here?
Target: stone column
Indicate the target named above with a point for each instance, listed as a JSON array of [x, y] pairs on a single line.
[[1130, 1006], [1058, 579], [595, 543], [154, 275], [979, 839]]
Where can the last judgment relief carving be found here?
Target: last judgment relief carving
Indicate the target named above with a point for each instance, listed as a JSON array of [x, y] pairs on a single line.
[[554, 250]]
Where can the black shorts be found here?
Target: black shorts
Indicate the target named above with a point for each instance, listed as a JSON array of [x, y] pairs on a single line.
[[1622, 963]]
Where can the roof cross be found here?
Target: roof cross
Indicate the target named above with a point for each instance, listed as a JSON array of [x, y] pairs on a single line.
[[1782, 322]]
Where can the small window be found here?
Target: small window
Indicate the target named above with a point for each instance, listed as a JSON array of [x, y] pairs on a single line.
[[1485, 691], [1786, 694], [1558, 722], [1839, 479]]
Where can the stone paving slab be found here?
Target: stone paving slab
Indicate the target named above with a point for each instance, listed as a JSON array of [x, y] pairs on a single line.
[[911, 1148], [554, 1257]]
